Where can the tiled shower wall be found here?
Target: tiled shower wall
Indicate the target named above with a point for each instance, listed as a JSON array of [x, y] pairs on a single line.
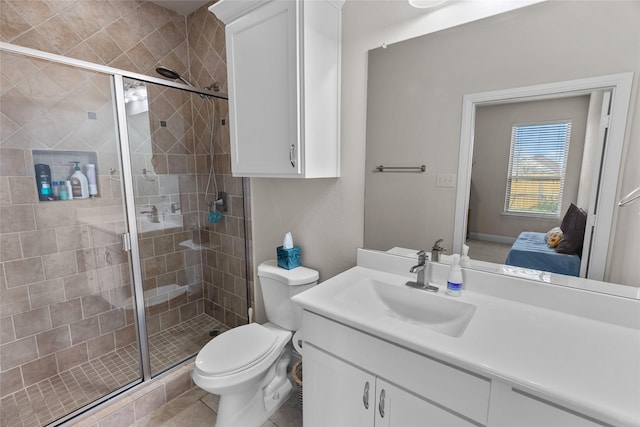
[[224, 272], [138, 36], [135, 36], [164, 173], [64, 279]]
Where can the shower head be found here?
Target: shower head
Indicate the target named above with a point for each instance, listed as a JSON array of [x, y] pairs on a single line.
[[170, 74]]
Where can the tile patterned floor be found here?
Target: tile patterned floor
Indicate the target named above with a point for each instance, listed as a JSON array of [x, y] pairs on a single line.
[[51, 399], [197, 408]]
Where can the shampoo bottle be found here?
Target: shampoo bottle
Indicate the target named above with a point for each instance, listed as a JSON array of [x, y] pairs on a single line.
[[43, 179], [62, 191], [91, 178], [67, 184], [454, 283], [79, 183]]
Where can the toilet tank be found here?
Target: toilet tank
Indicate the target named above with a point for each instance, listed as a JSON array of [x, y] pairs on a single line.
[[278, 286]]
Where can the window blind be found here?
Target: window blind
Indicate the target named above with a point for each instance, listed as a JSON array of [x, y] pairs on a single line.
[[537, 166]]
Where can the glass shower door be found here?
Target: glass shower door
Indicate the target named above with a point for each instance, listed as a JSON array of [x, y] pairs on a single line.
[[69, 330], [167, 175]]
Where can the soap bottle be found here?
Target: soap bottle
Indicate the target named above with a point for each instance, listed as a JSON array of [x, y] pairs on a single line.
[[454, 283], [62, 191], [67, 184], [54, 190], [464, 259], [43, 179], [91, 178], [79, 183]]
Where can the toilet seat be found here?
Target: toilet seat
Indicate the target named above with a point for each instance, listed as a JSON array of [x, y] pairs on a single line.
[[236, 350]]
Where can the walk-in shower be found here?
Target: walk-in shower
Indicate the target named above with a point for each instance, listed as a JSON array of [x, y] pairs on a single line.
[[215, 199], [102, 293]]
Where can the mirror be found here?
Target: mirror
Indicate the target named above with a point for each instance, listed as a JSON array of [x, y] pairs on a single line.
[[415, 107]]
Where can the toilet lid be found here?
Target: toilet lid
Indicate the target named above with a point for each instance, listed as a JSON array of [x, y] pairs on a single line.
[[236, 349]]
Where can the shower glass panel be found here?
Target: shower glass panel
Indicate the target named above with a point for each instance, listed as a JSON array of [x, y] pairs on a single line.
[[68, 329], [169, 141]]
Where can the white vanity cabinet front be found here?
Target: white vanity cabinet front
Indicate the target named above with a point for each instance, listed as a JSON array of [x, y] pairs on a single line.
[[352, 378], [512, 406], [283, 65], [337, 393]]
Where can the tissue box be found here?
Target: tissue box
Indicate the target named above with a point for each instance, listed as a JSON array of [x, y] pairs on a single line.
[[288, 258]]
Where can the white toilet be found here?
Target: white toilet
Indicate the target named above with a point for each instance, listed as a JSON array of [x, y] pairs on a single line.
[[247, 366]]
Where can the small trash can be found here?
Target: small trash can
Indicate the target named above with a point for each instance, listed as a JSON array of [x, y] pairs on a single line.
[[296, 375]]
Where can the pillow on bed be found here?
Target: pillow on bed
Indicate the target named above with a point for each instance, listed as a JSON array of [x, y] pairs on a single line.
[[553, 237], [573, 226]]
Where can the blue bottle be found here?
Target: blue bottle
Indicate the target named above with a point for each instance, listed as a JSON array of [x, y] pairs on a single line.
[[43, 179]]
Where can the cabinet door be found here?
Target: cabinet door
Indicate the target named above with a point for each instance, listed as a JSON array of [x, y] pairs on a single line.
[[395, 407], [335, 393], [263, 91], [523, 409]]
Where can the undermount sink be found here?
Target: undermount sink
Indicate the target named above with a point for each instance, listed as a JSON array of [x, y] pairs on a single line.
[[414, 306]]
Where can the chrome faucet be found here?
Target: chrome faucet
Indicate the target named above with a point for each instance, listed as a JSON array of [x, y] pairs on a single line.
[[422, 281], [153, 214], [437, 250], [175, 207]]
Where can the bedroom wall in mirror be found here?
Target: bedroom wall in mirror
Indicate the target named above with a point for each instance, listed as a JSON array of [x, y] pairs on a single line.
[[546, 168], [414, 112]]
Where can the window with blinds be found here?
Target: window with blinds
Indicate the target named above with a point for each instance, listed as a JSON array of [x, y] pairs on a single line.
[[537, 166]]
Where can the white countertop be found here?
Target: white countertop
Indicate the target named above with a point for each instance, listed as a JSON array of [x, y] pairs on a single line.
[[582, 362]]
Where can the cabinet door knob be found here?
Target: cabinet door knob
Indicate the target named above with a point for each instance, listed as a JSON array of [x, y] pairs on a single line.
[[365, 395], [381, 404], [291, 149]]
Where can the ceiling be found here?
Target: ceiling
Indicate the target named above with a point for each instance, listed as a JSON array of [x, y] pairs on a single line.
[[183, 7]]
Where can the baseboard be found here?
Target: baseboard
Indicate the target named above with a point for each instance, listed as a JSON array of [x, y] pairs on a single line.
[[491, 238]]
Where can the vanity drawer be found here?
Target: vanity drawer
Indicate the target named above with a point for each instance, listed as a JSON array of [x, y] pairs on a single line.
[[460, 391]]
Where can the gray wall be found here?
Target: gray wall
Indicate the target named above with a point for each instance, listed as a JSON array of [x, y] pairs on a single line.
[[327, 216], [419, 85], [491, 162]]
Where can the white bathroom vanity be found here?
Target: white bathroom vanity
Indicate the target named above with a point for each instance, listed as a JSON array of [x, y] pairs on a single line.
[[508, 352]]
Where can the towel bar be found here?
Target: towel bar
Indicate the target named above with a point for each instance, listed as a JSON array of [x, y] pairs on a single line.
[[634, 195], [382, 168]]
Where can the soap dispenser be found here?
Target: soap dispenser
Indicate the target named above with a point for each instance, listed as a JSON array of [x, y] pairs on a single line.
[[454, 283], [79, 183], [465, 261]]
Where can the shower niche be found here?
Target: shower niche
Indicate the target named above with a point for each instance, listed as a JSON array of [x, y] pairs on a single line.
[[53, 168]]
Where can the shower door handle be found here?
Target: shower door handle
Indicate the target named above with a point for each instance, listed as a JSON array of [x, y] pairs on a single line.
[[126, 242], [291, 150]]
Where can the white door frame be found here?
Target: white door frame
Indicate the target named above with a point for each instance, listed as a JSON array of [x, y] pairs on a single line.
[[620, 86]]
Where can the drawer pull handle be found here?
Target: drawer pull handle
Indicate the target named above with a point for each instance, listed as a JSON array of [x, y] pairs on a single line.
[[381, 404], [293, 147], [365, 395]]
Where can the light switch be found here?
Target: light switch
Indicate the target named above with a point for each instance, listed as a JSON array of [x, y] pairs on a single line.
[[446, 180]]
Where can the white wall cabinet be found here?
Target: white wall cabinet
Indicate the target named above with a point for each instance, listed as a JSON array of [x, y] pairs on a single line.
[[283, 64], [338, 393]]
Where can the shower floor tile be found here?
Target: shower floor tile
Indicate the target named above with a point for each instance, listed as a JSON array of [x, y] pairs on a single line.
[[50, 399]]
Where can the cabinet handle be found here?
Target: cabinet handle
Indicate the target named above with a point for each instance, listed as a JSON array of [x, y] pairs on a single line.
[[293, 147], [365, 395], [381, 404]]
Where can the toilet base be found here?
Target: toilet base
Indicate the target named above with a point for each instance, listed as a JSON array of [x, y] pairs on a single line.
[[254, 406]]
